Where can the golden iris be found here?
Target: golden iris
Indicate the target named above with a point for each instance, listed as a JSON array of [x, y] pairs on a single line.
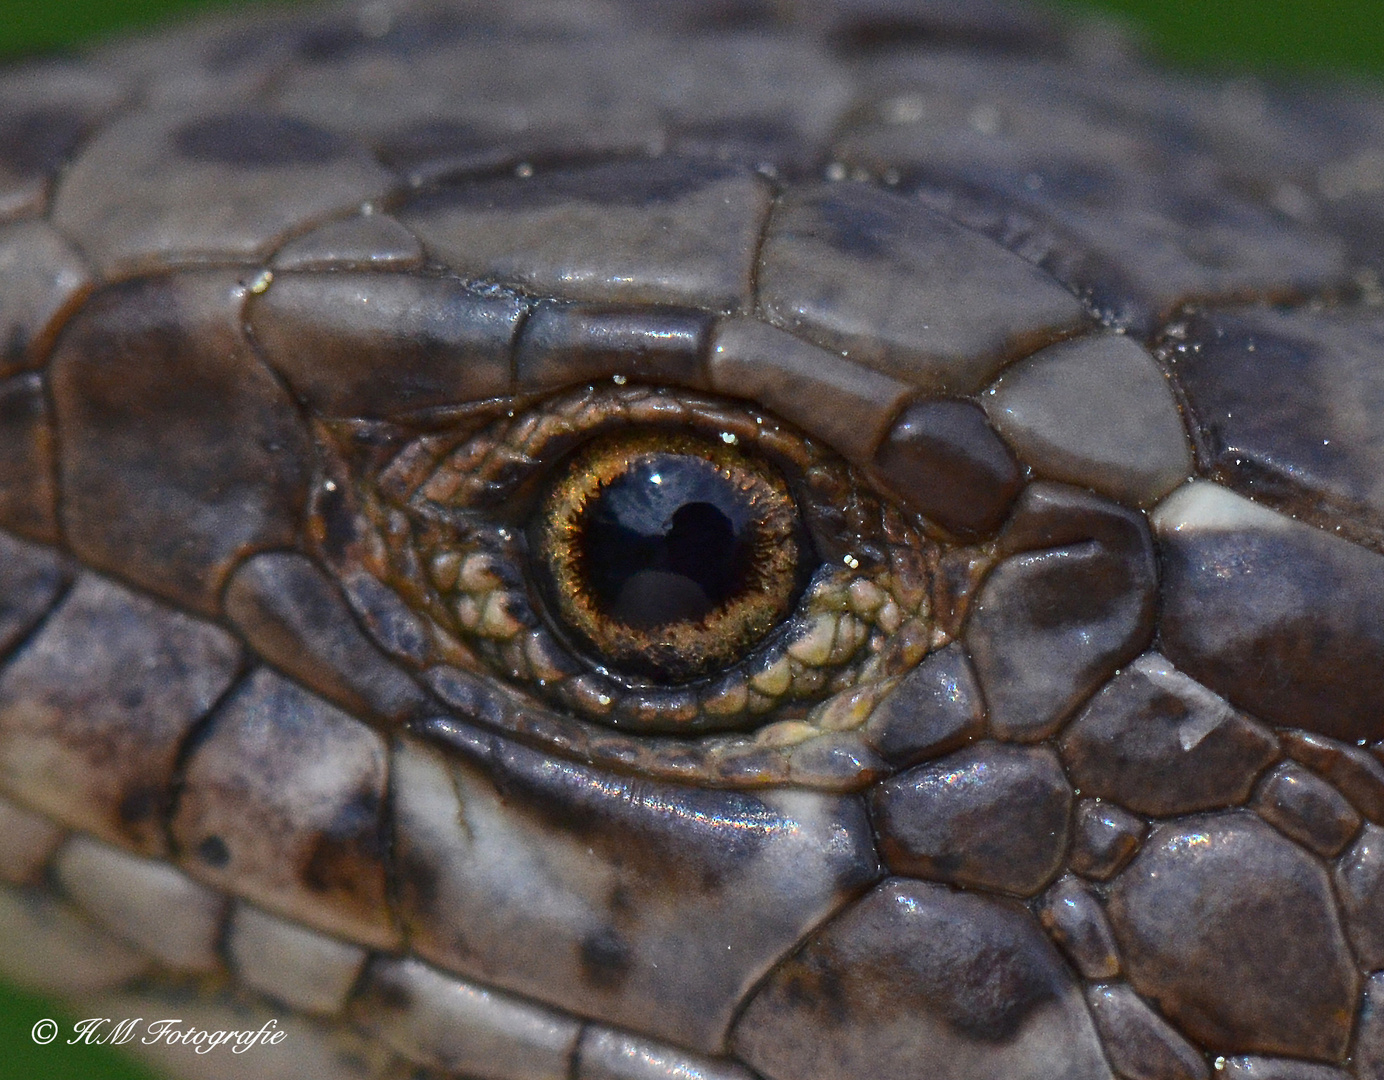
[[668, 556]]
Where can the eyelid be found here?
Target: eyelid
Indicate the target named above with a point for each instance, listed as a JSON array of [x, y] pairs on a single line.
[[358, 344], [362, 344]]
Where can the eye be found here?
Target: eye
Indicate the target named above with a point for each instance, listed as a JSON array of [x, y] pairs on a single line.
[[667, 557], [652, 559]]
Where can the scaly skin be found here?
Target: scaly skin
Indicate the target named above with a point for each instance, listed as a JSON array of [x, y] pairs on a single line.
[[1063, 765]]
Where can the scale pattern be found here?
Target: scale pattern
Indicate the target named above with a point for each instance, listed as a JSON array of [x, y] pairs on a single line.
[[1116, 337]]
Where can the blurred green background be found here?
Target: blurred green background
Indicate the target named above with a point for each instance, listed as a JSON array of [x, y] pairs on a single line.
[[1340, 36], [1296, 35], [1312, 35]]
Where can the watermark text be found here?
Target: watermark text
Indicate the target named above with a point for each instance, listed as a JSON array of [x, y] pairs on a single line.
[[104, 1031]]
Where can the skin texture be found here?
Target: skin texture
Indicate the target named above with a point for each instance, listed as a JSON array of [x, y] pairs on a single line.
[[51, 1055]]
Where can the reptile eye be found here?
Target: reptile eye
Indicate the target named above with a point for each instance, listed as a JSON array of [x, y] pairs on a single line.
[[668, 557], [650, 558]]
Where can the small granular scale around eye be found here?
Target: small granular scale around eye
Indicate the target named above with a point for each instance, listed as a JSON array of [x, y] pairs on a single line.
[[668, 555], [756, 581]]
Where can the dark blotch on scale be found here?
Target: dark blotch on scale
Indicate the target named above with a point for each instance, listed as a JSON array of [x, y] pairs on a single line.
[[255, 141], [945, 461], [667, 541], [37, 141]]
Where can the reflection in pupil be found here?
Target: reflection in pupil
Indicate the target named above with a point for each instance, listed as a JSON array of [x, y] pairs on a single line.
[[668, 540]]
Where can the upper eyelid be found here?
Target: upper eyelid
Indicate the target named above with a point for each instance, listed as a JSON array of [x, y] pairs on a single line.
[[371, 344], [343, 340]]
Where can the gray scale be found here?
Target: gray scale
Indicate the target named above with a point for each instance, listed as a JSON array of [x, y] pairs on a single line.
[[1104, 796]]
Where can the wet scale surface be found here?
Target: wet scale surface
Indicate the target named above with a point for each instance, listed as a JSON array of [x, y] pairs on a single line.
[[1068, 762]]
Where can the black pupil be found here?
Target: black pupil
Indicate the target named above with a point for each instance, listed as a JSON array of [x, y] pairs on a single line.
[[668, 540]]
